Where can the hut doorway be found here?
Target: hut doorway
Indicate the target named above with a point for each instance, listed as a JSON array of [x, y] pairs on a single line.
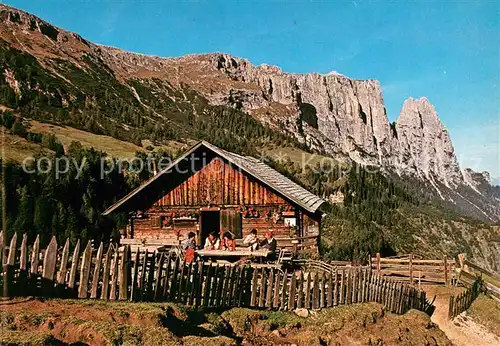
[[209, 222]]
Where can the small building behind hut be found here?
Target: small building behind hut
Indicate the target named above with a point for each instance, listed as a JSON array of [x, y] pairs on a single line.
[[208, 189]]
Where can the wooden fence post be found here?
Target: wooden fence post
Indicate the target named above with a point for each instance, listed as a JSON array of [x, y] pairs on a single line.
[[348, 299], [11, 258], [85, 271], [114, 275], [360, 286], [330, 291], [149, 285], [232, 279], [8, 269], [291, 294], [105, 273], [300, 292], [269, 293], [158, 278], [199, 286], [316, 291], [262, 288], [133, 285], [34, 257], [241, 285], [220, 286], [378, 263], [23, 265], [283, 291], [276, 290], [253, 297], [74, 266], [335, 287], [49, 266], [142, 282], [208, 282], [97, 272], [410, 267], [307, 292], [445, 270], [63, 268], [166, 281]]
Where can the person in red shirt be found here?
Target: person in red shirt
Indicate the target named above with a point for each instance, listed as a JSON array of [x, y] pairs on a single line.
[[189, 246]]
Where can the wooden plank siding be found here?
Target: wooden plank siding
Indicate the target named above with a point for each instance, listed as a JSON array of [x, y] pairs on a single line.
[[219, 184], [222, 186]]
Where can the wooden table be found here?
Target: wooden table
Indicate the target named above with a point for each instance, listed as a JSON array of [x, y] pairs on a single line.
[[235, 253], [142, 248]]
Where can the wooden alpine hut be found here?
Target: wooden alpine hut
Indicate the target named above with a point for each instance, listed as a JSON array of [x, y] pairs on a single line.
[[210, 189]]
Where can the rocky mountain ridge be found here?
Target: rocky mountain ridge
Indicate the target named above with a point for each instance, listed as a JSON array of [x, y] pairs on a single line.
[[331, 113]]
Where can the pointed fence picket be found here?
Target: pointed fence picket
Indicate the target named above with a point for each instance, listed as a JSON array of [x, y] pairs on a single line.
[[119, 274]]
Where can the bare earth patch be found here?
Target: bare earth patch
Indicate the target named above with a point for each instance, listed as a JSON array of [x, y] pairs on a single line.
[[94, 322], [465, 329]]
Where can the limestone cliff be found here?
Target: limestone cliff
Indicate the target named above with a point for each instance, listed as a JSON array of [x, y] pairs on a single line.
[[336, 115]]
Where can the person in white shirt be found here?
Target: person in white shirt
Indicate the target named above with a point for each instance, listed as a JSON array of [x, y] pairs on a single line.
[[212, 242], [251, 240]]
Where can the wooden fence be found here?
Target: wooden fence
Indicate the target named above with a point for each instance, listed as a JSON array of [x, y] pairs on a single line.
[[463, 301], [468, 272], [326, 267], [118, 274], [409, 269]]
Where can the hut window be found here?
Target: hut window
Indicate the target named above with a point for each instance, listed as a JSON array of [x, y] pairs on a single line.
[[184, 222], [290, 221], [165, 221], [155, 221], [289, 218]]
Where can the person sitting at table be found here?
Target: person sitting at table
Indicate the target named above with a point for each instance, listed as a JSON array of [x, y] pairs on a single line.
[[189, 245], [228, 243], [212, 242], [251, 240], [269, 244]]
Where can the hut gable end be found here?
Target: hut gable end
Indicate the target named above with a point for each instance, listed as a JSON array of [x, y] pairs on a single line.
[[219, 183]]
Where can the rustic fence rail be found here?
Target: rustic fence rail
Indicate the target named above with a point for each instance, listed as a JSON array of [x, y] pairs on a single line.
[[464, 300], [119, 274], [412, 270], [468, 272]]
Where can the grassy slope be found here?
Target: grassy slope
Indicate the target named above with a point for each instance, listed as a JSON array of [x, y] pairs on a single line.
[[66, 135], [486, 311], [110, 145], [101, 322], [17, 148]]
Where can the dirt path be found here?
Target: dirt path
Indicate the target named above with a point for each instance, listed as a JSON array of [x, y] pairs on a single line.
[[462, 331]]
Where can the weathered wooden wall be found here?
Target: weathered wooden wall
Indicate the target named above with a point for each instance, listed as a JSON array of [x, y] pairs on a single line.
[[219, 183], [147, 228], [123, 275]]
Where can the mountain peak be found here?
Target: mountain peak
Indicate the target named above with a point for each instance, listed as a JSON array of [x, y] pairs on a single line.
[[425, 144], [330, 113]]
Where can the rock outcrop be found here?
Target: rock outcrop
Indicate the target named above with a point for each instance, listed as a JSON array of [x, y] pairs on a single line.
[[339, 116], [347, 119], [424, 145]]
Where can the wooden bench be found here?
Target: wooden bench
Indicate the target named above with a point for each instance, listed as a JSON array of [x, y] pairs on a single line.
[[150, 242], [236, 253]]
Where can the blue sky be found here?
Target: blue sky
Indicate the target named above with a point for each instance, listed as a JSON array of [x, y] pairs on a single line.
[[448, 51]]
